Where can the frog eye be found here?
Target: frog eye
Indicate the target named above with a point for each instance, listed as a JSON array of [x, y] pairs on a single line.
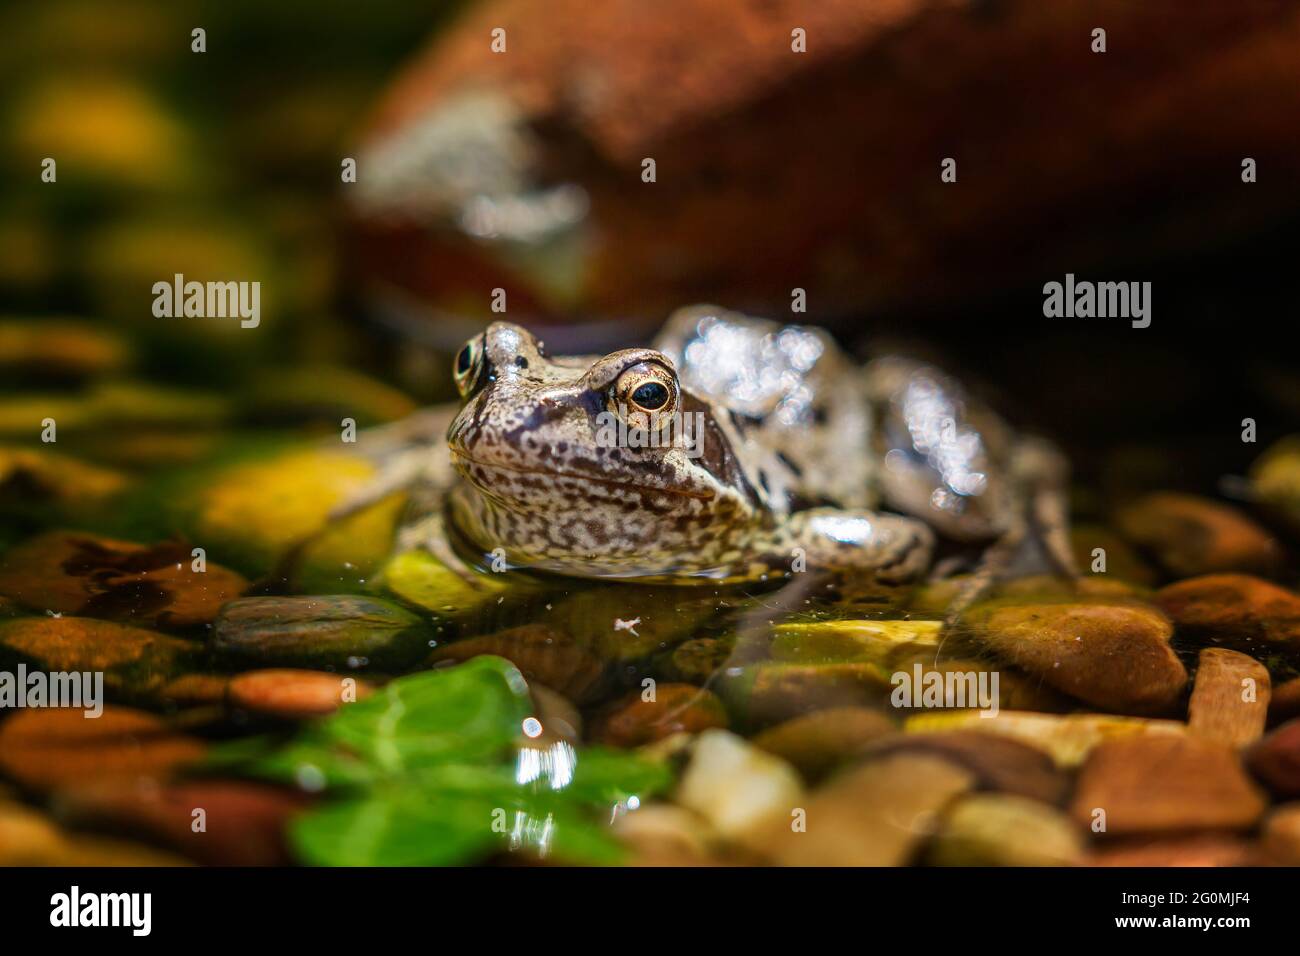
[[645, 395], [466, 367]]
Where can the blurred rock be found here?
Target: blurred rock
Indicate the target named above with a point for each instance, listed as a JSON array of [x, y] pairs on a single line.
[[665, 835], [1237, 610], [556, 712], [817, 743], [1189, 535], [294, 694], [135, 663], [997, 762], [242, 823], [632, 720], [737, 787], [45, 749], [542, 654], [1200, 786], [419, 578], [769, 693], [994, 829], [1230, 698], [1275, 480], [879, 814], [860, 640], [1197, 850], [41, 478], [44, 350], [82, 574], [30, 838], [1122, 562], [1276, 760], [1280, 834], [326, 632], [321, 394], [1285, 702], [1069, 738]]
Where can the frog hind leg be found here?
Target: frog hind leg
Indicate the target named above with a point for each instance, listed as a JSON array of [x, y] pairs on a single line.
[[1040, 474], [895, 548]]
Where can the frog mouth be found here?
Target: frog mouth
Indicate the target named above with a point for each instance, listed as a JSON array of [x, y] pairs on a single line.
[[459, 457]]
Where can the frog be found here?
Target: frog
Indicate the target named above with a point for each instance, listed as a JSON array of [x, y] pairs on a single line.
[[731, 449]]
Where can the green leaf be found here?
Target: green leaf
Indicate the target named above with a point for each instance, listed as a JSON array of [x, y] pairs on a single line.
[[470, 712]]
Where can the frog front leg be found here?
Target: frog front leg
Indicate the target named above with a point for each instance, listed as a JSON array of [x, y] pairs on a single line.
[[897, 550]]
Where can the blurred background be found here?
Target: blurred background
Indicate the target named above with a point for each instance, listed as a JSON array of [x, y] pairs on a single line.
[[523, 170]]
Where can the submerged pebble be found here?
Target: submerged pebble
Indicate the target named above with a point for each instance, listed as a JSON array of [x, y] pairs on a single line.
[[1230, 697], [736, 786], [638, 718], [541, 653], [1234, 609], [1276, 760], [998, 829], [817, 743], [294, 694], [1189, 535]]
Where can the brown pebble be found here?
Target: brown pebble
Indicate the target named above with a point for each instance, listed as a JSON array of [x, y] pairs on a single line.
[[1276, 760], [294, 694], [243, 822], [541, 653], [1229, 699], [818, 742], [1114, 656], [1285, 703], [1280, 834], [998, 762], [1162, 784], [677, 708], [1234, 609], [44, 749], [878, 814], [1189, 535]]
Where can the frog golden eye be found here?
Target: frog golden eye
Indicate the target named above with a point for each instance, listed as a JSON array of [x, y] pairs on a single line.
[[645, 395], [465, 369]]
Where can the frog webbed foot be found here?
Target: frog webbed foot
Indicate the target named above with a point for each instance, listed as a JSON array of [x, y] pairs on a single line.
[[897, 550]]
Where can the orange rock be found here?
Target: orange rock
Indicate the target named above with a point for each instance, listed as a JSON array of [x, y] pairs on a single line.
[[1163, 784], [1276, 760], [90, 576], [44, 749], [1230, 698], [1286, 701], [1201, 850], [294, 694], [1235, 609], [1190, 535], [1113, 656], [541, 653]]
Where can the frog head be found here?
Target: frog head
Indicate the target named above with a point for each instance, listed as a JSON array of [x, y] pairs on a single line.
[[598, 466]]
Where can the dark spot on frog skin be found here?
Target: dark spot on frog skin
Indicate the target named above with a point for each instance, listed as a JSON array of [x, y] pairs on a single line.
[[785, 460], [521, 362]]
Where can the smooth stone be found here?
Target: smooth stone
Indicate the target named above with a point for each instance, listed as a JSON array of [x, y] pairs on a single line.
[[48, 749], [420, 579], [135, 663], [1189, 535], [997, 829], [817, 743], [697, 660], [1280, 834], [632, 720], [244, 821], [1276, 760], [626, 622], [737, 787], [1285, 703], [1069, 738], [254, 512], [41, 478], [541, 653], [60, 349], [1159, 784], [328, 631], [294, 694], [1237, 610], [1229, 699], [879, 814], [769, 693], [195, 689], [91, 576], [1275, 480], [1115, 657], [30, 838], [999, 763], [665, 835]]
